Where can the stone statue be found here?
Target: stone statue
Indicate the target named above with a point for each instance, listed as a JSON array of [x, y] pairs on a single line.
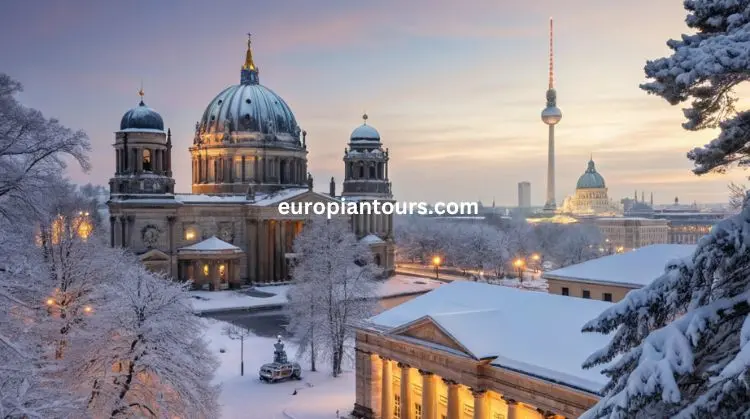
[[227, 130], [197, 138], [309, 181], [304, 139], [279, 354]]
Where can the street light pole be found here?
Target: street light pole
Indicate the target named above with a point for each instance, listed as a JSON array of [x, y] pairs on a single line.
[[242, 356]]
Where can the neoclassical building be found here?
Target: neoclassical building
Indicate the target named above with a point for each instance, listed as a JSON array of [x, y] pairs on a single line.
[[458, 352], [248, 155], [591, 195]]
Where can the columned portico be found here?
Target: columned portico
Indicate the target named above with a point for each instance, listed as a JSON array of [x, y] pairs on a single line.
[[454, 399], [429, 389]]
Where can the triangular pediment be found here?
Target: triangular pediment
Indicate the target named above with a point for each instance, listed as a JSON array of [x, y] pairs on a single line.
[[427, 330], [154, 255]]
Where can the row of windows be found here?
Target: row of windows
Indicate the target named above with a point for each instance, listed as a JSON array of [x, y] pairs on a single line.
[[606, 296]]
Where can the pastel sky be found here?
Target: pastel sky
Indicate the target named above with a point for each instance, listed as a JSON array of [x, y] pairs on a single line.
[[455, 88]]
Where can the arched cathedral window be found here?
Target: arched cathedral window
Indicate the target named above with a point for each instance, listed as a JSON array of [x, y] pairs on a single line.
[[147, 159]]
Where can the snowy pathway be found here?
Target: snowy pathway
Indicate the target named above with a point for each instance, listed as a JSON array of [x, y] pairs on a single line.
[[318, 394]]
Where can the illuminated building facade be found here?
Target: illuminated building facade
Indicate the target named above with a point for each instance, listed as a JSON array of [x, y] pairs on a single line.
[[248, 155]]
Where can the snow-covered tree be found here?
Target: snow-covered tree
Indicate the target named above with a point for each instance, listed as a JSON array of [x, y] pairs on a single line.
[[680, 346], [333, 287], [33, 153], [151, 360], [737, 195]]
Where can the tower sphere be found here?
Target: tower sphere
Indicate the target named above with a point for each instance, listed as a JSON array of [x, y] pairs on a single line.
[[551, 115]]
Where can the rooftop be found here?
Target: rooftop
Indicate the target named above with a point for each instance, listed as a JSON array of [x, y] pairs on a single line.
[[535, 333], [635, 268], [212, 245]]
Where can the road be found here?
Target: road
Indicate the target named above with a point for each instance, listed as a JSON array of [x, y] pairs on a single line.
[[273, 322], [428, 272]]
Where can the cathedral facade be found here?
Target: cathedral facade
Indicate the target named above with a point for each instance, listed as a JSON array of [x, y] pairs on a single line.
[[248, 155]]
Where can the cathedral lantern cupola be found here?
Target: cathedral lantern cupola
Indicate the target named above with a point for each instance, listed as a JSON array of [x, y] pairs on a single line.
[[142, 155]]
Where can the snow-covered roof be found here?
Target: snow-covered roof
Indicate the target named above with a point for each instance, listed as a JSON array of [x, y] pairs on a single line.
[[371, 239], [214, 199], [276, 197], [530, 332], [212, 245], [634, 269], [365, 132]]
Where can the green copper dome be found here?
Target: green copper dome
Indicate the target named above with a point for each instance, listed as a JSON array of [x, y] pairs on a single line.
[[591, 179]]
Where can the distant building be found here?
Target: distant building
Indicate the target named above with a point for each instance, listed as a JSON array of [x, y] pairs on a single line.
[[628, 233], [686, 223], [524, 195], [609, 278], [591, 197], [432, 357]]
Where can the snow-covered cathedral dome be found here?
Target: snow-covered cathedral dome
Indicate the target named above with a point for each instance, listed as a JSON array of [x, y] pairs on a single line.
[[591, 179], [365, 132], [141, 118], [250, 107]]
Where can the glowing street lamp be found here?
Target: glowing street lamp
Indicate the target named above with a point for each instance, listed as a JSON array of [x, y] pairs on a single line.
[[436, 262], [88, 309], [50, 302], [518, 263]]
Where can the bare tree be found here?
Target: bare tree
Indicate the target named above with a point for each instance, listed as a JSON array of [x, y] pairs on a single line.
[[737, 196], [33, 150]]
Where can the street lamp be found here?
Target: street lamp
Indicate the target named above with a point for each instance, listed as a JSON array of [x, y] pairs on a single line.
[[518, 263], [436, 262], [536, 258]]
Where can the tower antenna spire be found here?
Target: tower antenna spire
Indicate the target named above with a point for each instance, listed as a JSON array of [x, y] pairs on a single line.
[[551, 55]]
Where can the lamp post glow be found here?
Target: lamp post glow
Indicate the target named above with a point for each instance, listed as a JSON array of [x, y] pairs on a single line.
[[436, 261], [518, 263]]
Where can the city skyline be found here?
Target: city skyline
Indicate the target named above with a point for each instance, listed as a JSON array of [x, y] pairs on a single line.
[[455, 94]]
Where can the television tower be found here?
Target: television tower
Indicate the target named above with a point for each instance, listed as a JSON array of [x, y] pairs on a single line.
[[551, 115]]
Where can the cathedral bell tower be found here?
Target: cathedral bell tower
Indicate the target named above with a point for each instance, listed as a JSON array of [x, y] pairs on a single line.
[[366, 180], [143, 161]]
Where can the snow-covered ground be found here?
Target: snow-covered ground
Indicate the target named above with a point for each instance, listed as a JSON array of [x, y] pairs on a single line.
[[319, 395], [532, 284], [273, 296]]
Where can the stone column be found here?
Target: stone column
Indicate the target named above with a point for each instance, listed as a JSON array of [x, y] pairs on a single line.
[[407, 410], [252, 252], [375, 396], [284, 238], [171, 219], [480, 404], [112, 231], [387, 400], [429, 390], [454, 399], [512, 409], [214, 272]]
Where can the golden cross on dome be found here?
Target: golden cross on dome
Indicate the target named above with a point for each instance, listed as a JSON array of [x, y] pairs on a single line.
[[141, 93], [364, 118]]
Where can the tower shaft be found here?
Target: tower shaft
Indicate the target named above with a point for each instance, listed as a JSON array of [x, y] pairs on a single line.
[[550, 203]]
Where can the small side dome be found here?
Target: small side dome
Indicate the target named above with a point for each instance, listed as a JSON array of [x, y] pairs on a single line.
[[142, 117], [365, 132]]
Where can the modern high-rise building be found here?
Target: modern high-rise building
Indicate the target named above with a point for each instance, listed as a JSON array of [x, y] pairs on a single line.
[[551, 115], [524, 194]]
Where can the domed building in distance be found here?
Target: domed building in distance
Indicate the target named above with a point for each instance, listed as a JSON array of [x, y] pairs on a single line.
[[591, 195], [248, 155]]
